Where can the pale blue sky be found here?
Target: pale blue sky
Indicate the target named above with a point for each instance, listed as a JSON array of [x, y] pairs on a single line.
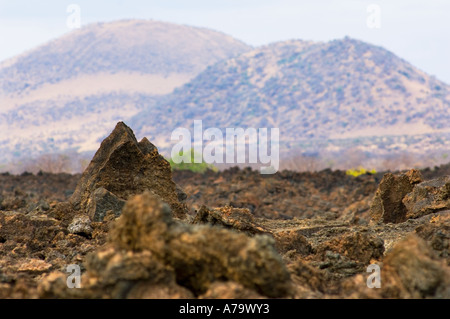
[[418, 31]]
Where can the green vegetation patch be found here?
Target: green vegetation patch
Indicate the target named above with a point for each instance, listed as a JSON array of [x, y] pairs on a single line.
[[192, 166]]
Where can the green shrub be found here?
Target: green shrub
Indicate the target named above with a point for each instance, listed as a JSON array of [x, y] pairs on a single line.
[[194, 167]]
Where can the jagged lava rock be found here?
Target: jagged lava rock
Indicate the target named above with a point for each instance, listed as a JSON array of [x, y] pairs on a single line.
[[428, 197], [101, 201], [26, 234], [241, 220], [437, 234], [291, 240], [387, 205], [200, 255], [412, 270], [151, 254], [125, 167], [229, 217], [358, 246], [117, 274], [81, 224]]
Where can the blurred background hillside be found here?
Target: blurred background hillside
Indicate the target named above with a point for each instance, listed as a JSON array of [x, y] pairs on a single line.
[[349, 83]]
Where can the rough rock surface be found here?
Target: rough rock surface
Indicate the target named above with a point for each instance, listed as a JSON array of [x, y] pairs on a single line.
[[125, 167], [241, 220], [437, 234], [201, 255], [414, 271], [387, 205], [229, 217], [243, 232], [101, 202], [81, 224], [410, 270], [358, 246], [284, 195], [147, 245], [326, 256], [428, 197]]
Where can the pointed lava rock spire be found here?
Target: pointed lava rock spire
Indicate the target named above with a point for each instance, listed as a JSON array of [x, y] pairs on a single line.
[[121, 168]]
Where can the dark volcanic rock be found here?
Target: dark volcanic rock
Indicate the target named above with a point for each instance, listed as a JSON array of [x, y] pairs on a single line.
[[387, 205], [25, 234], [428, 197], [101, 201], [412, 270], [326, 244], [291, 240], [200, 255], [437, 234], [229, 217], [358, 246], [304, 274], [150, 254], [283, 195], [241, 220], [125, 168], [117, 274]]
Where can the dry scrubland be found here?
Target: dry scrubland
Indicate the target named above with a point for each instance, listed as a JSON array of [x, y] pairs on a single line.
[[334, 99]]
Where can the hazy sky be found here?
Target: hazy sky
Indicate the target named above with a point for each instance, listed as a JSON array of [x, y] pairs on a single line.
[[417, 31]]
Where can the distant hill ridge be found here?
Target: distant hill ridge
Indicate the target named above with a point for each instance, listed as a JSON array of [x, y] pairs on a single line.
[[322, 96], [67, 93], [313, 90], [155, 76], [140, 46]]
